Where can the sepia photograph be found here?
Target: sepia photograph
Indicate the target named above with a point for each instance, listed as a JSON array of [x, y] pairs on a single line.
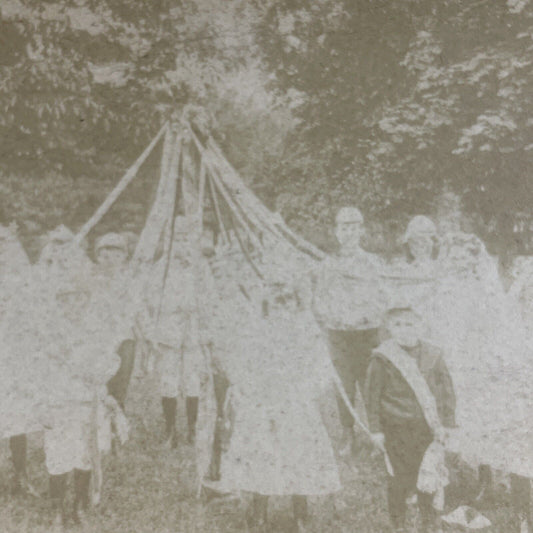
[[266, 266]]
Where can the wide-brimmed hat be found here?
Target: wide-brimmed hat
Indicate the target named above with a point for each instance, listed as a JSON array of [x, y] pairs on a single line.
[[112, 240], [60, 235], [349, 215]]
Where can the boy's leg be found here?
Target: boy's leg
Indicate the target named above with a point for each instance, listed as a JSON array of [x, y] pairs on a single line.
[[18, 446], [350, 353], [427, 512], [58, 490], [406, 444], [261, 507], [341, 352], [169, 391], [299, 506], [59, 462], [170, 406], [365, 341], [257, 513], [221, 385], [82, 482], [398, 490], [521, 500], [191, 406]]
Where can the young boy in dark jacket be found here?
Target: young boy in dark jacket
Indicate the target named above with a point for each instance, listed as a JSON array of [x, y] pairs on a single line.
[[410, 398]]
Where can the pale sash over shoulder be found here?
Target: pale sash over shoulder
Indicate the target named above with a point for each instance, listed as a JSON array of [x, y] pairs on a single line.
[[409, 370], [433, 474]]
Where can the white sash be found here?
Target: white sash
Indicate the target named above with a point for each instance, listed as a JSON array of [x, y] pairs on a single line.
[[433, 474]]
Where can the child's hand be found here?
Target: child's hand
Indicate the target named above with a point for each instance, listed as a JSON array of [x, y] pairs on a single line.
[[378, 439]]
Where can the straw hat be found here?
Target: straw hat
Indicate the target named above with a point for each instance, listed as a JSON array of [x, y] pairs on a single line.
[[112, 240], [60, 235], [349, 215]]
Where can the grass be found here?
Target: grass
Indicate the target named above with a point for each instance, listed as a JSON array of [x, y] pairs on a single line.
[[150, 489]]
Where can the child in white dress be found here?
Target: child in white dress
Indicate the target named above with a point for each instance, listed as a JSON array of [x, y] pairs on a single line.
[[278, 445]]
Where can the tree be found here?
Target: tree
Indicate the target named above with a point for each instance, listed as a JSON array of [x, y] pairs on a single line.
[[318, 103], [85, 84], [402, 101]]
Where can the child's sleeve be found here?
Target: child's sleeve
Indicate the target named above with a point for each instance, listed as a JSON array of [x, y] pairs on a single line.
[[445, 394], [375, 382]]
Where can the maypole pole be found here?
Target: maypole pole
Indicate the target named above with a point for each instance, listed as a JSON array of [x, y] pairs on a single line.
[[175, 175]]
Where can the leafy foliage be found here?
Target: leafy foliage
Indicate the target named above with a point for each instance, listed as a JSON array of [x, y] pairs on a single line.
[[387, 105], [85, 84], [405, 101]]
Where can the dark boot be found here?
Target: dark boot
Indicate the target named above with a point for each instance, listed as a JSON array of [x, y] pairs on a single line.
[[191, 406], [521, 501], [427, 513], [257, 514], [58, 490], [170, 406], [82, 482], [396, 499], [18, 446], [300, 512]]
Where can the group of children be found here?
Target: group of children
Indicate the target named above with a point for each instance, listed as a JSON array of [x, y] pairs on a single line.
[[61, 324], [253, 363], [276, 367], [410, 402], [78, 323], [457, 357]]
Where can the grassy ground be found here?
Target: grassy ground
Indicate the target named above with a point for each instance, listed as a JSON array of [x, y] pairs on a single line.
[[150, 489]]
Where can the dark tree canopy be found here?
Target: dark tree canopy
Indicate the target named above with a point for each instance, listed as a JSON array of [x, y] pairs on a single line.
[[318, 103]]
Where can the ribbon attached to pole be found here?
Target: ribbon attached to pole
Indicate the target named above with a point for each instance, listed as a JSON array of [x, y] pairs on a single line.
[[357, 419], [117, 191]]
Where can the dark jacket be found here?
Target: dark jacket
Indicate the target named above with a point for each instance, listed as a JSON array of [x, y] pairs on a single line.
[[390, 399]]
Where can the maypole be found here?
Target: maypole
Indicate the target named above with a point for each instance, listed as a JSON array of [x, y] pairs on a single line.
[[218, 214], [175, 176]]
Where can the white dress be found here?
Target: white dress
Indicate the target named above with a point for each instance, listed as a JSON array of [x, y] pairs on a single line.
[[180, 325], [82, 358], [521, 295], [491, 366], [21, 397], [279, 445]]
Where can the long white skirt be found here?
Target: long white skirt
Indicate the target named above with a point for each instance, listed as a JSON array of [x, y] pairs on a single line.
[[279, 449], [491, 366], [68, 444], [179, 371], [169, 371]]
